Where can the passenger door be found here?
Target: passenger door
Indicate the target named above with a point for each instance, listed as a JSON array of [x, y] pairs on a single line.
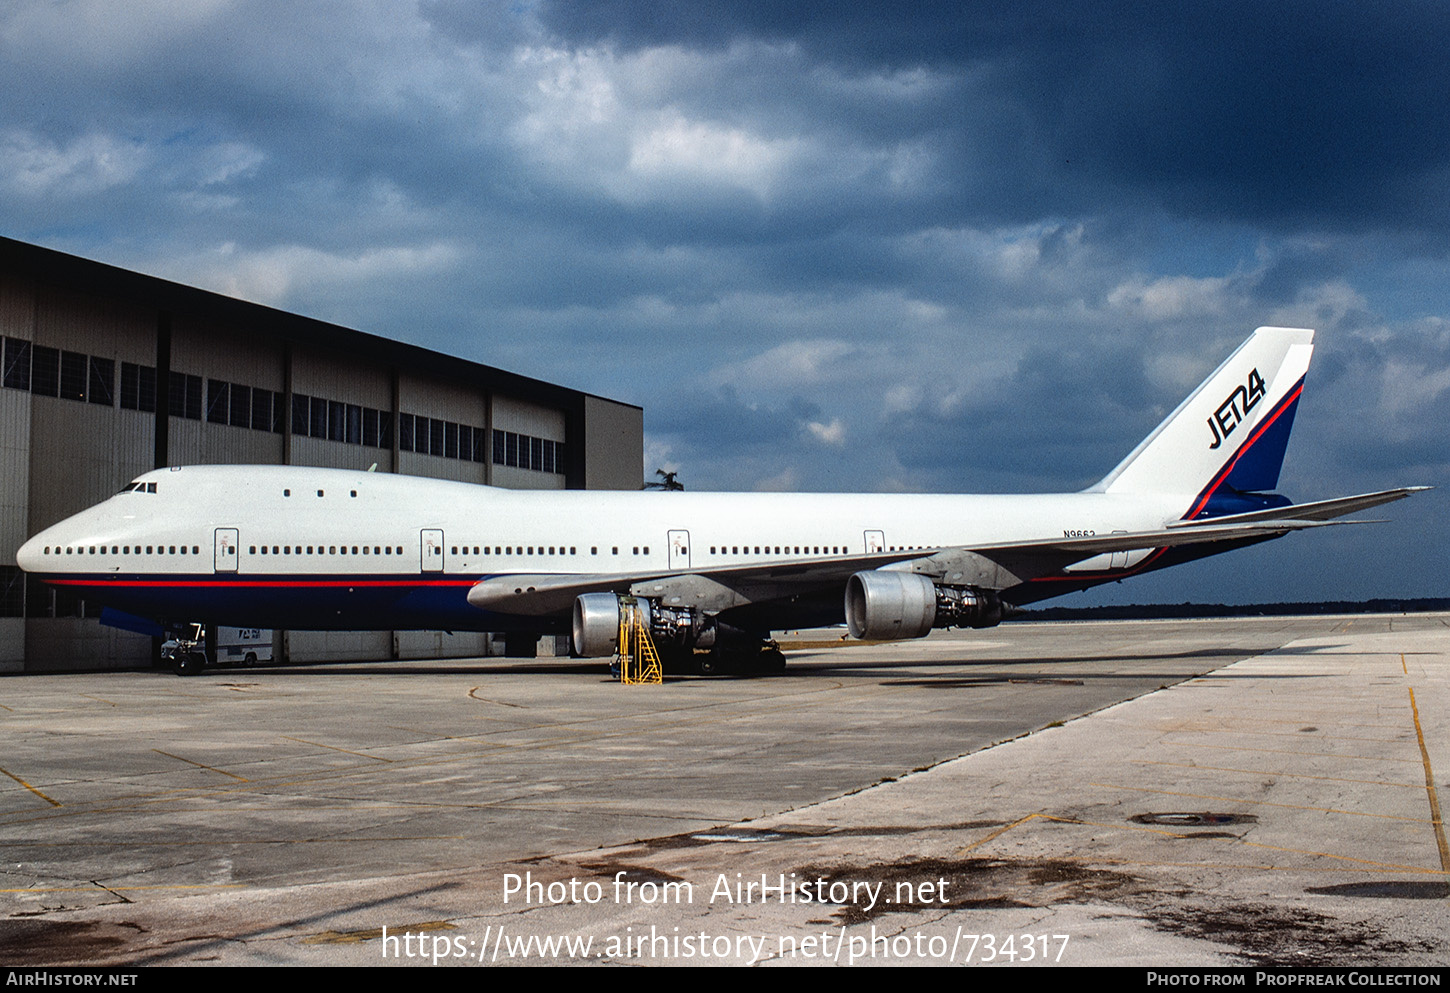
[[679, 545], [432, 550], [225, 554]]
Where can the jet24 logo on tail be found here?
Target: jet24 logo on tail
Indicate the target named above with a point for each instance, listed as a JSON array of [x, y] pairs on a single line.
[[1235, 408]]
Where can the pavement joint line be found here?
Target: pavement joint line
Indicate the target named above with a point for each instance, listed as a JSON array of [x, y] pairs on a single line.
[[318, 744], [201, 765], [1275, 772], [1008, 827], [1261, 803], [1300, 735], [53, 802], [1282, 751], [1430, 789]]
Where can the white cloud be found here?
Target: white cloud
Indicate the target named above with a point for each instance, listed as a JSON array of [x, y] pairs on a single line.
[[32, 166], [792, 364], [833, 433], [1172, 297], [274, 275], [675, 149]]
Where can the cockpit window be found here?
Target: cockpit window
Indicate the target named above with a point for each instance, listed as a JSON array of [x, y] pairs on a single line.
[[138, 487]]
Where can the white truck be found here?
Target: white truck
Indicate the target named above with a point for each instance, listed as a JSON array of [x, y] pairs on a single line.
[[244, 646]]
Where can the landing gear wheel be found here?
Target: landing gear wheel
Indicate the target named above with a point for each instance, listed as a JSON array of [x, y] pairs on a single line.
[[771, 661], [190, 664]]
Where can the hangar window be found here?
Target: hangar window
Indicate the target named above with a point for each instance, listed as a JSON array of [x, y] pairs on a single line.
[[45, 371], [17, 364], [102, 386], [263, 407], [12, 591], [72, 375], [138, 387], [184, 396], [240, 413], [218, 401], [317, 418], [301, 404]]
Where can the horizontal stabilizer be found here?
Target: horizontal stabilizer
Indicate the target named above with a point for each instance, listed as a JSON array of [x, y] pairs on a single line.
[[1319, 510]]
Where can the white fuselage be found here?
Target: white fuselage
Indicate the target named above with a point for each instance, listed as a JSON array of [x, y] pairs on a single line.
[[302, 547]]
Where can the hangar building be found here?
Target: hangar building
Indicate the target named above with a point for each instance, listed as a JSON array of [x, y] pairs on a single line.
[[109, 373]]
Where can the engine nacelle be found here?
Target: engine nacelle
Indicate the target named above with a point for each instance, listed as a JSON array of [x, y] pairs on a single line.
[[596, 624], [882, 606]]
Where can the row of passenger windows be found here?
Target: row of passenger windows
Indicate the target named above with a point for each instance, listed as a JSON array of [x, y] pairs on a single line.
[[325, 550], [122, 550], [540, 550], [780, 550]]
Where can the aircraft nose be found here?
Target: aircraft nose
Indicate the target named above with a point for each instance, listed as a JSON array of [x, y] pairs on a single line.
[[30, 557]]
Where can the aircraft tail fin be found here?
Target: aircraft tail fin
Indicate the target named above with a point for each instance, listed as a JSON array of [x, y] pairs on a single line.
[[1222, 449]]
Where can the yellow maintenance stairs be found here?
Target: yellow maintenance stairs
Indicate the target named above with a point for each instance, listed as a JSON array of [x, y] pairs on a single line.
[[636, 656]]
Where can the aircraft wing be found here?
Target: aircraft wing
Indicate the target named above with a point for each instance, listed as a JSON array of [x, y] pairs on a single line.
[[994, 565]]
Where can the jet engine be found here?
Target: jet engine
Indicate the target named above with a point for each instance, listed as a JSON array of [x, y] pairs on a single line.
[[882, 606], [596, 625]]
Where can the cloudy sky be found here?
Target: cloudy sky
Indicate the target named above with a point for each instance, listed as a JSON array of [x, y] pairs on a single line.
[[898, 246]]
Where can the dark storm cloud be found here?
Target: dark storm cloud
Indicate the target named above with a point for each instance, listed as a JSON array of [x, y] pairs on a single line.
[[1308, 113], [1057, 422]]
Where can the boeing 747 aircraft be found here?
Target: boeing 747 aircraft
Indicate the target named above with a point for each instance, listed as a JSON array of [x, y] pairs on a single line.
[[327, 549]]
